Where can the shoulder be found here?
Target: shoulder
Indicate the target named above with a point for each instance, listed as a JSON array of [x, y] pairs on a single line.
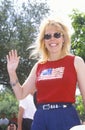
[[79, 62], [39, 63], [69, 58], [36, 64], [77, 59], [34, 68]]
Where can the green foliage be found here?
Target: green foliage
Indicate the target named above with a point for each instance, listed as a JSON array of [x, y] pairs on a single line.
[[78, 37], [18, 29], [8, 102], [78, 48], [80, 107]]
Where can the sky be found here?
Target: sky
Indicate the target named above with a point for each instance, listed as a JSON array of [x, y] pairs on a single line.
[[66, 6], [62, 8]]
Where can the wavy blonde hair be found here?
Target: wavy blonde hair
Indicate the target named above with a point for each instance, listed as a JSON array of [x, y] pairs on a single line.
[[40, 50]]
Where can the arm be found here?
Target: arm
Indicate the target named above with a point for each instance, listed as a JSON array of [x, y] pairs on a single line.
[[80, 69], [29, 85], [20, 118]]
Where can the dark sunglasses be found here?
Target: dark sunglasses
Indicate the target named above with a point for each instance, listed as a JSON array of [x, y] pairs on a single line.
[[55, 35]]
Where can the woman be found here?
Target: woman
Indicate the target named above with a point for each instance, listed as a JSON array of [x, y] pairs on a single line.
[[54, 77]]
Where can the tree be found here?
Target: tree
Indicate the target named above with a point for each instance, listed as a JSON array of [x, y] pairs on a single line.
[[78, 37], [8, 102], [78, 48], [18, 29], [80, 107]]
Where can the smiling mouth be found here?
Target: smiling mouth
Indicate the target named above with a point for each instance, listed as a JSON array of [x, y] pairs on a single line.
[[53, 44]]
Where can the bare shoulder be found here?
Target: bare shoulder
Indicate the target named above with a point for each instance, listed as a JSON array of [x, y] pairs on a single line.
[[79, 62], [34, 67]]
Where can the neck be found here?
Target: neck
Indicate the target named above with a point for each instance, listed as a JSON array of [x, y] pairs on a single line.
[[54, 57]]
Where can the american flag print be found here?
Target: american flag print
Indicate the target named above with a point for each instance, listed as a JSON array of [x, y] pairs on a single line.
[[51, 73]]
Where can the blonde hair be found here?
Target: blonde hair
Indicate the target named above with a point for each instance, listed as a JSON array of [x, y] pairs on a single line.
[[40, 48]]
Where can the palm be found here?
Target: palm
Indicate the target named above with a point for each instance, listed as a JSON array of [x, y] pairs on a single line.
[[12, 61]]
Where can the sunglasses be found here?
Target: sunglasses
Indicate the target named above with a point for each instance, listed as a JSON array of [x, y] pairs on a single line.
[[55, 35]]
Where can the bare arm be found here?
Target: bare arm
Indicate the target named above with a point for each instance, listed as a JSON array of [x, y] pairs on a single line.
[[80, 68], [20, 118], [29, 85]]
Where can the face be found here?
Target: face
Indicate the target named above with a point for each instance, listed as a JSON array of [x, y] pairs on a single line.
[[53, 40]]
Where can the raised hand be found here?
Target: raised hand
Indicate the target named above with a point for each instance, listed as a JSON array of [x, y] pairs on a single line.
[[12, 61]]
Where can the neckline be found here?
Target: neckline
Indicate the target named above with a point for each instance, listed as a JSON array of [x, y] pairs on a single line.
[[58, 59]]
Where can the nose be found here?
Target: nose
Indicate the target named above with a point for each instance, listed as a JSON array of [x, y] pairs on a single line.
[[52, 36]]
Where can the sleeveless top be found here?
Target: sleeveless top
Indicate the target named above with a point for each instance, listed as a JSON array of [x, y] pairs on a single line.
[[56, 81]]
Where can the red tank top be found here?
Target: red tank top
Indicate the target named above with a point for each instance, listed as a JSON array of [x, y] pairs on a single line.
[[56, 81]]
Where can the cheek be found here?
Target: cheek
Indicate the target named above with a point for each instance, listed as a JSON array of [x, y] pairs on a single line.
[[61, 41]]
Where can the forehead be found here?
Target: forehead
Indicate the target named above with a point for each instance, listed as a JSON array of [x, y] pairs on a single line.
[[53, 28]]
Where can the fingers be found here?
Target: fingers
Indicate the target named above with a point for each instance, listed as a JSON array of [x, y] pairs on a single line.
[[12, 61], [7, 58], [12, 55]]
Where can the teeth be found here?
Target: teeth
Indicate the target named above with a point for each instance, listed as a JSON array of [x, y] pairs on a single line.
[[53, 44]]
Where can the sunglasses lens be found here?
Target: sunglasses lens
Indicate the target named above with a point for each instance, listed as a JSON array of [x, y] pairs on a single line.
[[57, 35], [47, 36]]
